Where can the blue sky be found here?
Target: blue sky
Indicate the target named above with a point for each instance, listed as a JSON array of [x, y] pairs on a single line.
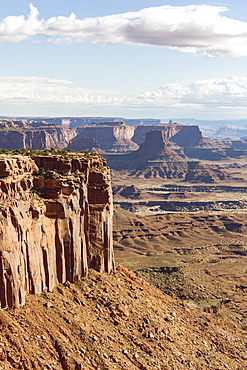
[[160, 59]]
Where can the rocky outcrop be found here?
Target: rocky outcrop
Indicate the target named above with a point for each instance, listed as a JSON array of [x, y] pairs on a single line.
[[156, 145], [187, 136], [155, 159], [216, 150], [125, 191], [55, 222]]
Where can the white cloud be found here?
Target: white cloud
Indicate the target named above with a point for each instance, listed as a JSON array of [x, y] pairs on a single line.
[[225, 96], [38, 90], [19, 28], [193, 28], [209, 92]]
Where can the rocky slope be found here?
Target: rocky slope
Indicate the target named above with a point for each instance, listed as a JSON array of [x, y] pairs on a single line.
[[55, 222], [198, 257], [116, 321]]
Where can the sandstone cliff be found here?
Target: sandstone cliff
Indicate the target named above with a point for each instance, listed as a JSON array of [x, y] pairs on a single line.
[[55, 222], [154, 149], [182, 135], [110, 136], [19, 134], [115, 137], [119, 137], [56, 137]]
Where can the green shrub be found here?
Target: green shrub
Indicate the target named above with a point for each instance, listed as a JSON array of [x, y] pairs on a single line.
[[41, 171], [35, 191]]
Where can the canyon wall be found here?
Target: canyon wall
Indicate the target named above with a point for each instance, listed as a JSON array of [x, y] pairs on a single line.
[[169, 131], [56, 137], [110, 136], [55, 222], [119, 137], [116, 137]]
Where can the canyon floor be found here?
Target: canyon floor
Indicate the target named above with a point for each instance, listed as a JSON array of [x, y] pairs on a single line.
[[188, 239]]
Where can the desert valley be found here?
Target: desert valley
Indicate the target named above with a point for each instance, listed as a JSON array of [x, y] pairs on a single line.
[[176, 295]]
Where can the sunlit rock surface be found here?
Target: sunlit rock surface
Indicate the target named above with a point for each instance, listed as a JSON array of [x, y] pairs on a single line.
[[55, 222]]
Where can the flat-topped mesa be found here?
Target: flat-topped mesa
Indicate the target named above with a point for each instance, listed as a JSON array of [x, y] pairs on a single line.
[[55, 222]]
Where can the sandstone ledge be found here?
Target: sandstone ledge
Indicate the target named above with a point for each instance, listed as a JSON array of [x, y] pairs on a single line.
[[55, 222]]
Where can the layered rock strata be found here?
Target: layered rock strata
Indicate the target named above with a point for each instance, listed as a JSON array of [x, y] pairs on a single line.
[[115, 137], [55, 222], [112, 137], [57, 137], [155, 159], [121, 137], [154, 149], [184, 136]]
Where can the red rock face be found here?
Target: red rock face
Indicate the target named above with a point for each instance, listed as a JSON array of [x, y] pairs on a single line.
[[54, 226], [122, 138], [57, 137], [111, 138], [153, 148], [182, 135]]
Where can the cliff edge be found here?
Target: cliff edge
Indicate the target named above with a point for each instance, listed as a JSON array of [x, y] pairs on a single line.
[[55, 222]]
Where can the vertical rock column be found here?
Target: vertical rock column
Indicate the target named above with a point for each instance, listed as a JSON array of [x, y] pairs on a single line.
[[100, 248]]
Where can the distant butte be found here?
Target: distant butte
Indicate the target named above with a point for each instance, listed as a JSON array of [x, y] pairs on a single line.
[[156, 159]]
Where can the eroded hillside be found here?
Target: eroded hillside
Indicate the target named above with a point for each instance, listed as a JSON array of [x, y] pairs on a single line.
[[116, 321]]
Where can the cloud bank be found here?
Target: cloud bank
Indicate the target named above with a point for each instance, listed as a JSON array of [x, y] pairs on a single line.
[[226, 96], [43, 90], [207, 92], [195, 28]]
